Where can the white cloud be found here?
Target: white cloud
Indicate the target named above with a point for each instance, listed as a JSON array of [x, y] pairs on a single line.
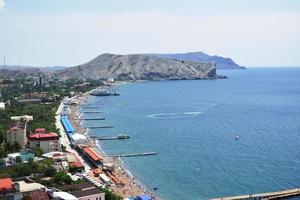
[[2, 4]]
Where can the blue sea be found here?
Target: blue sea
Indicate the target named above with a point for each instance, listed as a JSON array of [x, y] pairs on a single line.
[[193, 125]]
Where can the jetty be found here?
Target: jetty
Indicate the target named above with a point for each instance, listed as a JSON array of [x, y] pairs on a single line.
[[89, 107], [90, 111], [264, 196], [94, 127], [118, 137], [94, 118], [132, 154]]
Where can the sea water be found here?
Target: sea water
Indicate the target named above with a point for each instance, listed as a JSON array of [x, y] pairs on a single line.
[[193, 126]]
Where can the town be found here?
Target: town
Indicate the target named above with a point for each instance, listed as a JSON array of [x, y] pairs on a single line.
[[44, 153]]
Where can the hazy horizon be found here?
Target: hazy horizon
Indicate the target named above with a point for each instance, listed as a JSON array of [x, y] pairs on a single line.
[[67, 33]]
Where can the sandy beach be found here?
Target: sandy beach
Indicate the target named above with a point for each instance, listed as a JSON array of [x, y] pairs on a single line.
[[125, 184]]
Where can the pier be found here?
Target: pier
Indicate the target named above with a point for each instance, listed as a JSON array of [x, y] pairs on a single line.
[[94, 127], [89, 107], [91, 112], [132, 154], [94, 118], [264, 196], [119, 137]]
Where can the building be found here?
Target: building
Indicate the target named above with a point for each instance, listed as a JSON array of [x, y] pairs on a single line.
[[11, 158], [48, 142], [17, 134], [40, 195], [7, 189], [23, 189], [91, 155], [61, 196], [75, 163], [2, 106], [77, 138], [84, 191]]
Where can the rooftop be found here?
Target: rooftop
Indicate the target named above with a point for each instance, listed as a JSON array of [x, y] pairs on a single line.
[[92, 153], [17, 125], [41, 195], [27, 187], [64, 195], [6, 184], [74, 187], [84, 193], [44, 136], [40, 130]]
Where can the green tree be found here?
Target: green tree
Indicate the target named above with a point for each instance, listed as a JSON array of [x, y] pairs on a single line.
[[61, 177], [37, 151], [18, 159]]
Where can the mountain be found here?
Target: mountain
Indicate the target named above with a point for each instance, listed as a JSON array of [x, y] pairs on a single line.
[[20, 72], [221, 62], [139, 67], [43, 69]]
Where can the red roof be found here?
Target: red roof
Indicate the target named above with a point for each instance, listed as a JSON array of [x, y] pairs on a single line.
[[45, 136], [6, 184], [78, 163], [40, 130], [94, 155]]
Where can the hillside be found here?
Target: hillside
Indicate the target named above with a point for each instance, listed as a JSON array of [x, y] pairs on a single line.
[[139, 67], [221, 62]]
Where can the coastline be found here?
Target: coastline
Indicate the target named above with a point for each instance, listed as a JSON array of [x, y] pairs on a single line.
[[131, 186]]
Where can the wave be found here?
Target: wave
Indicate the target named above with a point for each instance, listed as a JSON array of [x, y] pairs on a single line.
[[193, 113]]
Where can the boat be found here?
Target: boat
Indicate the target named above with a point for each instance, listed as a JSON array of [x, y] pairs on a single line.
[[237, 137], [123, 136]]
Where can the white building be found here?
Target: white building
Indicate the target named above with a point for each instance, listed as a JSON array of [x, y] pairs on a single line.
[[23, 188], [79, 138], [48, 142], [2, 106], [17, 134]]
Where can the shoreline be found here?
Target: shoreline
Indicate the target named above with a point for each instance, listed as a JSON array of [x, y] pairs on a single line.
[[131, 185]]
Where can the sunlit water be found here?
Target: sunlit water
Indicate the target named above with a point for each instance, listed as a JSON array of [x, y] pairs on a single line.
[[193, 125]]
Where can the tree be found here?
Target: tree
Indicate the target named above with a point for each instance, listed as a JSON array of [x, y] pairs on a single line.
[[50, 171], [61, 177], [37, 151], [18, 159]]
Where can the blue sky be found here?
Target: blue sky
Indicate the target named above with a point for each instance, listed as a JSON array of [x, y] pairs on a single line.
[[71, 32]]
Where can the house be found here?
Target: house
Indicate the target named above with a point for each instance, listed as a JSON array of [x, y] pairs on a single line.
[[23, 189], [11, 158], [74, 162], [7, 189], [61, 196], [39, 194], [84, 191], [48, 142], [91, 155], [2, 106], [17, 133]]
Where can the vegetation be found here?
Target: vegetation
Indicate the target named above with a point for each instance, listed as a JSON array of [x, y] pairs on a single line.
[[44, 113], [43, 116], [109, 195], [37, 151], [26, 169]]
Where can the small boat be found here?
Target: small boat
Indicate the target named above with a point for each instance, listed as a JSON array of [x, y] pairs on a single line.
[[155, 188], [123, 136], [237, 137]]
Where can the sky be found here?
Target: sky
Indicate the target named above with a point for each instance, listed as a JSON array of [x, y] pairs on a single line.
[[72, 32]]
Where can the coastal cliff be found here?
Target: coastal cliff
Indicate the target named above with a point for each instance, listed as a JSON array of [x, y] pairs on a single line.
[[139, 67], [221, 62]]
